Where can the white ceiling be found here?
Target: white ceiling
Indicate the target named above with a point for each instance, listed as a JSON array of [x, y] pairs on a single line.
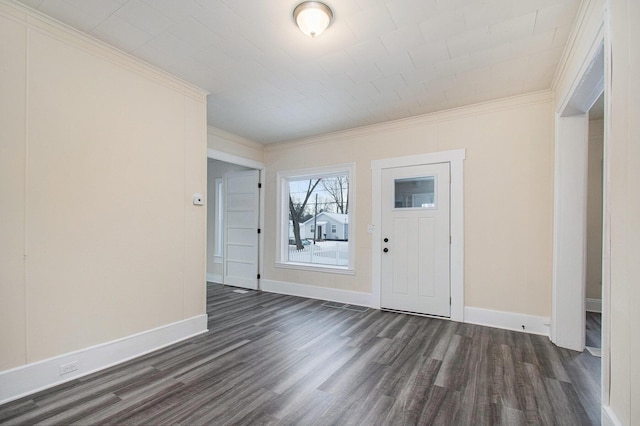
[[380, 60]]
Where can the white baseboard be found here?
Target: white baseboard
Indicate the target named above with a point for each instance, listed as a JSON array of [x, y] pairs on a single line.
[[314, 292], [507, 320], [594, 305], [609, 418], [27, 379], [214, 278], [497, 319]]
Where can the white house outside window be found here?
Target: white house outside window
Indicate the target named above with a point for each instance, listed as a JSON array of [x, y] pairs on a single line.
[[315, 209]]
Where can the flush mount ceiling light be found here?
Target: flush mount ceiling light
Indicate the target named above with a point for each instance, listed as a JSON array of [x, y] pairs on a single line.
[[312, 17]]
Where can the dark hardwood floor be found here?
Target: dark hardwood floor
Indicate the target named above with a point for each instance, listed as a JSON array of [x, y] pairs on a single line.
[[594, 330], [274, 359]]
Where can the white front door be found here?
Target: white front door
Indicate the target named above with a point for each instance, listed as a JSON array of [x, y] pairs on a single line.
[[242, 203], [415, 267]]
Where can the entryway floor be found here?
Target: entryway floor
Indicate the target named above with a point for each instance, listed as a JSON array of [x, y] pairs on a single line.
[[275, 359], [593, 338]]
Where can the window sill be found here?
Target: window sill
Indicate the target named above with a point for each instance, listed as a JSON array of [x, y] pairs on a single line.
[[316, 268]]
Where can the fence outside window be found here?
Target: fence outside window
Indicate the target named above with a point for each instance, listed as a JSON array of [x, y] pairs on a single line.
[[325, 253]]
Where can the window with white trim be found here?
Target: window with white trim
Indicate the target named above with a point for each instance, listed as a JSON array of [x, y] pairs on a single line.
[[312, 202]]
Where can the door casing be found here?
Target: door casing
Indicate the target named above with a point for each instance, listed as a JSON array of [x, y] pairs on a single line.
[[456, 160], [591, 78]]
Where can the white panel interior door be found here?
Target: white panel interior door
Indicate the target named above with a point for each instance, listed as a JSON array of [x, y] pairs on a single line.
[[415, 266], [241, 212]]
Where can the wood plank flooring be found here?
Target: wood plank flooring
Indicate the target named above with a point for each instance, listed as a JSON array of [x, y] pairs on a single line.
[[593, 336], [283, 360]]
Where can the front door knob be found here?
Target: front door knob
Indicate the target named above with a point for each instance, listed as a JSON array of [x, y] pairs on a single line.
[[386, 250]]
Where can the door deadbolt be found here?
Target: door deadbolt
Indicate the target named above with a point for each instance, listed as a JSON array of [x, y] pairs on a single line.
[[386, 240]]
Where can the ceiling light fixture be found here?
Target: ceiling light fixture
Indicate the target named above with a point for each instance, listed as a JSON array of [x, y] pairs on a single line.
[[312, 17]]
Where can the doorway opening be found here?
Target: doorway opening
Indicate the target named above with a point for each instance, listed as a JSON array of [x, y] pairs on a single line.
[[570, 207], [581, 231], [595, 208], [234, 220]]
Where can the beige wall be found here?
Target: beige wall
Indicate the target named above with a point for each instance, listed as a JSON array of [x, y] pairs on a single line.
[[624, 152], [99, 158], [508, 195], [12, 195], [231, 144], [594, 210]]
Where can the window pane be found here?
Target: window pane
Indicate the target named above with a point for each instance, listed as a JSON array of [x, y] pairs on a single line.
[[318, 219], [415, 192]]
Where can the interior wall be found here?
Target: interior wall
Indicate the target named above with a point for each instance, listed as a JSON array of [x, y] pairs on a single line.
[[13, 54], [508, 193], [594, 210], [215, 169], [100, 156]]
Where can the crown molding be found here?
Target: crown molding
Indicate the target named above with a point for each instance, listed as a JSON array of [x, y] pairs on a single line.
[[578, 22], [511, 102], [234, 138], [581, 21], [37, 21]]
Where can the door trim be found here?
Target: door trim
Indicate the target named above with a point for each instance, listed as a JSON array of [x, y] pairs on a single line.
[[568, 304], [593, 75], [455, 159]]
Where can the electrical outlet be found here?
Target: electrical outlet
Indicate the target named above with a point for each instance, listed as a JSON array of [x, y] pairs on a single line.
[[68, 368]]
